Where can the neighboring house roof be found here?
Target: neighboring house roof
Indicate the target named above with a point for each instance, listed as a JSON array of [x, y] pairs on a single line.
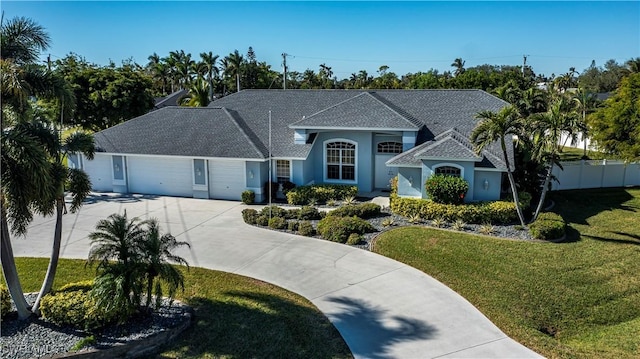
[[245, 115], [183, 131], [171, 100]]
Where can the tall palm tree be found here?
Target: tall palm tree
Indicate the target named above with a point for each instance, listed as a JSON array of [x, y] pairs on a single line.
[[234, 66], [633, 65], [210, 60], [495, 126], [586, 103], [458, 64], [75, 181], [116, 248], [25, 188], [157, 256], [198, 95], [22, 40], [548, 129]]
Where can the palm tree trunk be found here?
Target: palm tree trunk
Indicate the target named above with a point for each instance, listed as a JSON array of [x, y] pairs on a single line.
[[55, 255], [545, 186], [10, 272], [512, 182], [238, 81], [149, 288]]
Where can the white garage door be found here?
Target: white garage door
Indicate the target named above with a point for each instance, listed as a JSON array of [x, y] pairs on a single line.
[[226, 179], [161, 176], [99, 171]]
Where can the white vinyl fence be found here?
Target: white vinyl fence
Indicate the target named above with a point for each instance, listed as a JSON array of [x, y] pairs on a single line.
[[596, 174]]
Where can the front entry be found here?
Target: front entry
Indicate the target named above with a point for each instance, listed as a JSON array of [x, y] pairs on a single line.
[[384, 174]]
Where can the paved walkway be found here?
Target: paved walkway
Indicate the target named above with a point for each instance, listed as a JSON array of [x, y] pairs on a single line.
[[382, 308]]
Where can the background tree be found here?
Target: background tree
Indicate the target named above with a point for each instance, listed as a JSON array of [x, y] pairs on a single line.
[[615, 127], [233, 67], [212, 71], [494, 127], [22, 40], [586, 102], [458, 64], [198, 95]]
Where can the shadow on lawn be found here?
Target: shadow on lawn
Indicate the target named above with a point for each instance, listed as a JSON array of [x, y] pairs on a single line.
[[256, 325], [577, 206], [370, 333], [634, 239]]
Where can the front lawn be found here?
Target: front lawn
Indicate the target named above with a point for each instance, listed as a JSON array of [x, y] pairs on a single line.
[[569, 300], [235, 316]]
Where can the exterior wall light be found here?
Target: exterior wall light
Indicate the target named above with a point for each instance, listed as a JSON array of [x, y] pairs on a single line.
[[485, 184]]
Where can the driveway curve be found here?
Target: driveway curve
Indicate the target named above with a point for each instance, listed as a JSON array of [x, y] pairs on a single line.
[[381, 307]]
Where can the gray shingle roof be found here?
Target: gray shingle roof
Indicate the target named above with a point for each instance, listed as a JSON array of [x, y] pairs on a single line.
[[238, 125]]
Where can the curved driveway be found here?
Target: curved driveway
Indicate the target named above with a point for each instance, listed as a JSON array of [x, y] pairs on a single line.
[[382, 308]]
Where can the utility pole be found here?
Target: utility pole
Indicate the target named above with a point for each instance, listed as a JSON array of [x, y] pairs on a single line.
[[284, 65], [524, 64]]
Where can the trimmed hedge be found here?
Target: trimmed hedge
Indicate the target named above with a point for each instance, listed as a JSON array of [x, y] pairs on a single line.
[[446, 189], [275, 211], [363, 210], [548, 226], [277, 223], [338, 229], [499, 212], [320, 192], [75, 306], [305, 228], [248, 197], [5, 301], [249, 215], [308, 213]]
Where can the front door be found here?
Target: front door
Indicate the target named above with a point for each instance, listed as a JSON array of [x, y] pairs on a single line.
[[384, 174]]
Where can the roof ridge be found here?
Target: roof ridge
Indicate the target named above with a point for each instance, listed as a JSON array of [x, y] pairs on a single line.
[[328, 108], [458, 137], [246, 132], [402, 113]]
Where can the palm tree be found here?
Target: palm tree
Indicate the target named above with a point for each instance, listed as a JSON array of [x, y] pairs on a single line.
[[233, 66], [548, 129], [633, 65], [157, 257], [459, 66], [116, 247], [209, 60], [198, 95], [76, 182], [25, 188], [586, 103], [495, 127], [22, 40]]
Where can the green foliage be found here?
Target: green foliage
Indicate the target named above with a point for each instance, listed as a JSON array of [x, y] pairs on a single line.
[[308, 213], [292, 226], [320, 192], [84, 342], [273, 211], [446, 189], [458, 225], [338, 229], [270, 188], [355, 238], [363, 210], [487, 229], [262, 220], [287, 186], [249, 215], [388, 222], [277, 223], [5, 301], [498, 212], [75, 305], [305, 228], [548, 226], [293, 213], [248, 197]]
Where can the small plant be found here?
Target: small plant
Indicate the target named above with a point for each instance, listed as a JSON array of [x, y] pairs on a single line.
[[438, 222], [414, 218], [248, 197], [83, 343], [308, 213], [273, 211], [332, 202], [262, 220], [249, 215], [548, 226], [277, 223], [349, 200], [388, 222], [305, 228], [355, 238], [459, 225], [312, 202], [5, 300], [292, 226], [338, 229], [487, 229], [363, 210]]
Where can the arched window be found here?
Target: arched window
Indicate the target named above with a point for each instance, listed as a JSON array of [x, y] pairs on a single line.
[[341, 160], [448, 171], [390, 147]]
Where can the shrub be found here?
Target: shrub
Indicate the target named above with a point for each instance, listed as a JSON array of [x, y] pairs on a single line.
[[305, 228], [548, 226], [489, 212], [524, 198], [388, 222], [349, 200], [364, 211], [74, 305], [446, 189], [502, 212], [249, 215], [274, 186], [338, 229], [248, 197], [5, 301], [262, 220], [287, 186], [458, 225], [486, 229], [273, 211], [320, 192], [308, 213], [355, 238], [292, 226], [277, 223], [293, 213]]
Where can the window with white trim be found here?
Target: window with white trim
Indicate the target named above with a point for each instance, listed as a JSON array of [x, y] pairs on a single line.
[[448, 171], [390, 147], [341, 161], [283, 171]]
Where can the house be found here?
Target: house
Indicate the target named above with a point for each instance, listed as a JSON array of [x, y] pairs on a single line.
[[358, 137]]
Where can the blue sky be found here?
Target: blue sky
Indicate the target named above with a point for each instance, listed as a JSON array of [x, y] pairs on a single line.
[[348, 36]]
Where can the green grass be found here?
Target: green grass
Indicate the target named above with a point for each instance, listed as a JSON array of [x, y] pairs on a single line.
[[575, 154], [579, 299], [235, 316]]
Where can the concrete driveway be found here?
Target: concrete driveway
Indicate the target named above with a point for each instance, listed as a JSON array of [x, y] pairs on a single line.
[[382, 308]]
